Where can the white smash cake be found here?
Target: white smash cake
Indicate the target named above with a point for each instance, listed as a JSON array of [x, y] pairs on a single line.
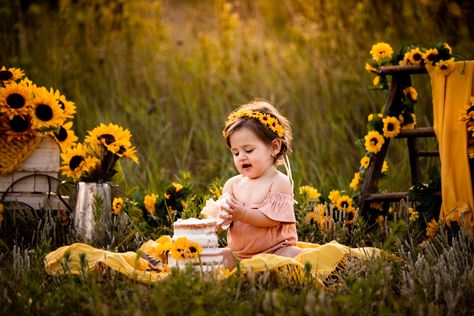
[[201, 231]]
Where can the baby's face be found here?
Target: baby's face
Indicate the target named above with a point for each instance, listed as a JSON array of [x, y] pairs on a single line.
[[252, 157]]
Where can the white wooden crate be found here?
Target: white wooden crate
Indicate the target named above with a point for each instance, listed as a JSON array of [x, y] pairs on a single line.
[[33, 189]]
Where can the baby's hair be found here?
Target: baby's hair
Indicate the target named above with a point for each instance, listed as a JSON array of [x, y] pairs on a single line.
[[263, 132]]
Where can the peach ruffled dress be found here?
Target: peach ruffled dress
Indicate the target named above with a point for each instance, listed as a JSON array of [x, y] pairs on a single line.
[[247, 240]]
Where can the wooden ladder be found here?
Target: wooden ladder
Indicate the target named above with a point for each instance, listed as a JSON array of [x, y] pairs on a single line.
[[400, 80]]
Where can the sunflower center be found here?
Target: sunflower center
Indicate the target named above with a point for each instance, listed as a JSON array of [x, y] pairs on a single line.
[[417, 56], [374, 141], [75, 162], [61, 135], [192, 249], [5, 75], [443, 67], [16, 100], [431, 57], [121, 150], [350, 216], [19, 124], [390, 127], [344, 204], [44, 112], [108, 138]]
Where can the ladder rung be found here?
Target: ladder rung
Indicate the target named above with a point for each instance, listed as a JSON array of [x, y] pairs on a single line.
[[427, 153], [416, 132], [387, 196], [408, 69]]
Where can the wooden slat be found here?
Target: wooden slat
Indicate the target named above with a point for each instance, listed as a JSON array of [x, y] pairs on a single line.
[[407, 69], [388, 196], [417, 132]]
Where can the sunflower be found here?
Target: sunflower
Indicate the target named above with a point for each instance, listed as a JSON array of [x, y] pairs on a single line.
[[350, 216], [47, 112], [311, 193], [334, 195], [15, 99], [364, 162], [179, 248], [65, 136], [430, 56], [355, 181], [370, 68], [410, 122], [10, 74], [446, 46], [391, 126], [374, 142], [76, 162], [445, 66], [376, 80], [177, 186], [381, 51], [385, 166], [413, 57], [20, 128], [117, 205], [431, 228], [150, 201], [194, 249], [411, 93], [68, 107], [344, 202], [113, 137]]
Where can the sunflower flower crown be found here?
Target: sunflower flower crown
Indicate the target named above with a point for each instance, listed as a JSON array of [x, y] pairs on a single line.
[[266, 119]]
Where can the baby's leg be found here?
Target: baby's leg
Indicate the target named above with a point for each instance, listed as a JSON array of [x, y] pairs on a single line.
[[290, 251], [229, 260]]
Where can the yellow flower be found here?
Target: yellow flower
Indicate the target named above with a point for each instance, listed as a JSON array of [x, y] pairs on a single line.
[[344, 202], [431, 228], [445, 66], [334, 195], [326, 224], [68, 107], [20, 127], [381, 51], [76, 162], [65, 136], [179, 248], [195, 249], [310, 192], [377, 206], [47, 112], [391, 126], [413, 57], [364, 162], [412, 124], [446, 45], [369, 68], [370, 117], [350, 216], [376, 80], [430, 56], [380, 219], [355, 181], [117, 205], [413, 214], [177, 186], [373, 142], [15, 99], [150, 201], [385, 166], [10, 74], [310, 218], [411, 93]]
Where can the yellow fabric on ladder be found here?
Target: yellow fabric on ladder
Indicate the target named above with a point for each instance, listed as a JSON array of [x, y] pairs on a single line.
[[451, 93], [81, 258]]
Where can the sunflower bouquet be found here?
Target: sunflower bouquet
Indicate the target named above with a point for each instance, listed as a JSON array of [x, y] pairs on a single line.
[[96, 160], [27, 113]]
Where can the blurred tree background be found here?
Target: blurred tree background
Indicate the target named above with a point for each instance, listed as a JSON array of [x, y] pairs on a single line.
[[171, 71]]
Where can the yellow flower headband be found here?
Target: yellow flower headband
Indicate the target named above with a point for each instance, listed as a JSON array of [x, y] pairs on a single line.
[[266, 119]]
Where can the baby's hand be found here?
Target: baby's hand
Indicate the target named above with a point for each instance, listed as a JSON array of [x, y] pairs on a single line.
[[235, 210]]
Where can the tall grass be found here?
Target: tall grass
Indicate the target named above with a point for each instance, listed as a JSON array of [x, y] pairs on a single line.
[[171, 73]]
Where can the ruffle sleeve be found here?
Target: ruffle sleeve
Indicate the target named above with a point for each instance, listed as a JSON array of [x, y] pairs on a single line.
[[279, 207]]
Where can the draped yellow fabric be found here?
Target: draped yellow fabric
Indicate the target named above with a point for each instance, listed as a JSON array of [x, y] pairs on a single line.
[[324, 259], [451, 93]]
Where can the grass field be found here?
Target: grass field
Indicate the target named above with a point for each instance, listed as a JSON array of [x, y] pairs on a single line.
[[171, 71]]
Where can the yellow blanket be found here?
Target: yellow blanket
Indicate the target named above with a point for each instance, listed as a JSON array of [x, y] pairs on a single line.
[[79, 258]]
